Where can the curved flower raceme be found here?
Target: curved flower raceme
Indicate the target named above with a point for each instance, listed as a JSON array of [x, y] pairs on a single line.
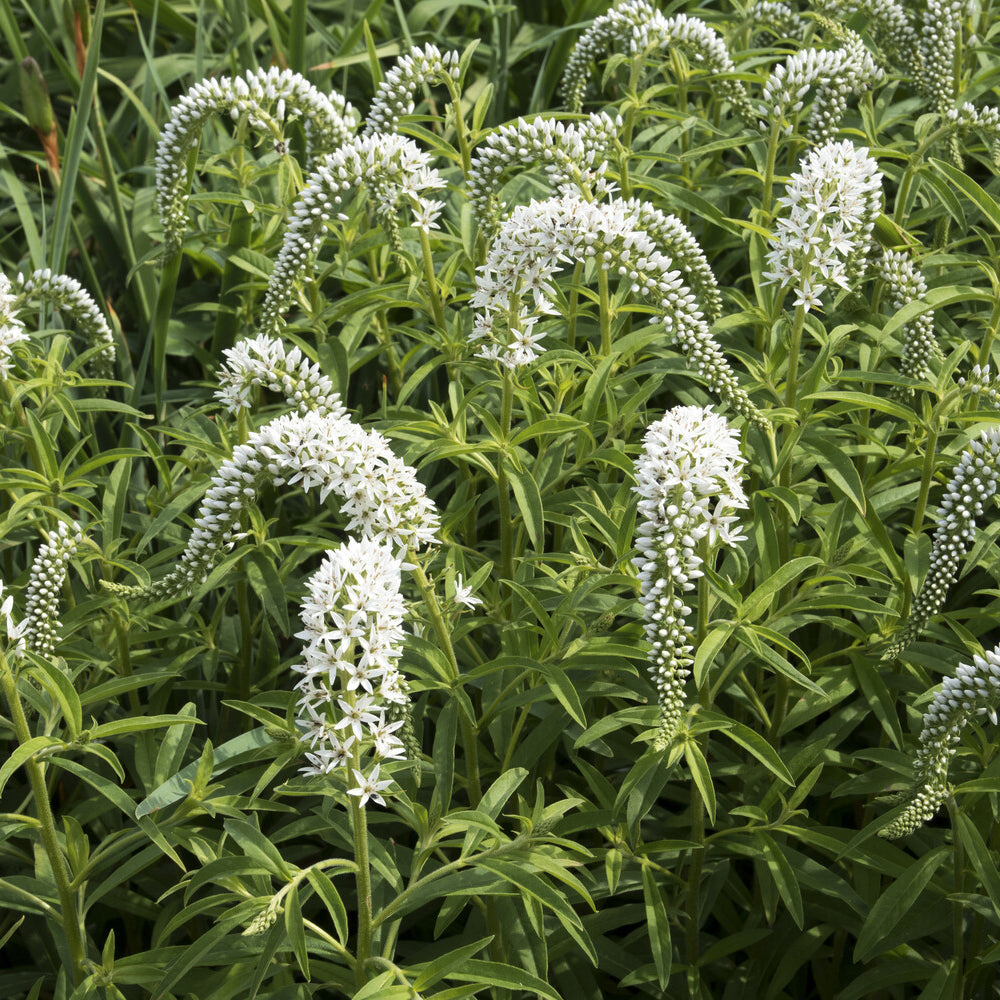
[[972, 485], [574, 156], [380, 495], [394, 97], [539, 238], [688, 481], [984, 120], [906, 284], [825, 238], [835, 74], [263, 361], [942, 23], [352, 696], [64, 294], [41, 622], [640, 27], [973, 691], [266, 100], [395, 172], [776, 16]]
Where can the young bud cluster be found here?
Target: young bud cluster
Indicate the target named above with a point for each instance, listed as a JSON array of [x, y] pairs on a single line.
[[352, 696], [539, 238], [825, 238], [266, 100], [394, 97], [834, 74], [11, 328], [263, 361], [892, 25], [983, 384], [641, 28], [68, 295], [45, 581], [380, 495], [939, 33], [973, 692], [776, 17], [906, 284], [394, 170], [985, 120], [575, 157], [688, 478], [972, 485]]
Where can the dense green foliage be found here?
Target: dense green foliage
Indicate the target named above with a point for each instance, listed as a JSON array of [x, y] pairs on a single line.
[[537, 841]]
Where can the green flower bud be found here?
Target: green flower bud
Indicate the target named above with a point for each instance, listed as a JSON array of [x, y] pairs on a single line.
[[35, 97]]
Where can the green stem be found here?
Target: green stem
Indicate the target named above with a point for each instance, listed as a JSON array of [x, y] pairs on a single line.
[[794, 349], [773, 138], [125, 659], [503, 485], [693, 902], [227, 318], [363, 877], [470, 743], [957, 907], [605, 305], [926, 478], [47, 825], [460, 132], [433, 293]]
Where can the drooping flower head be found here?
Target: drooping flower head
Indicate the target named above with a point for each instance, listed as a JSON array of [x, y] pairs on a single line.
[[264, 361], [638, 27], [973, 484], [906, 284], [381, 497], [45, 581], [514, 287], [574, 157], [267, 100], [824, 239], [974, 691], [688, 478], [833, 75], [393, 170], [394, 97]]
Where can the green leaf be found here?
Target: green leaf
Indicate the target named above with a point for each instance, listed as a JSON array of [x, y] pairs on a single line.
[[895, 903], [784, 877], [756, 604], [23, 753], [248, 745], [838, 469], [759, 747], [323, 886], [565, 692], [967, 186], [702, 776], [497, 974], [981, 858], [60, 687], [657, 926], [529, 502], [123, 727], [295, 929]]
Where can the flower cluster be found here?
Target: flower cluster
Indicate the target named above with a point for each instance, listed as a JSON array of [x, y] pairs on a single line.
[[826, 236], [263, 361], [973, 691], [982, 382], [638, 25], [267, 100], [68, 295], [352, 695], [892, 26], [688, 481], [575, 158], [835, 74], [11, 328], [939, 33], [45, 580], [973, 483], [394, 97], [539, 237], [394, 170], [906, 284], [381, 496], [777, 17], [984, 120]]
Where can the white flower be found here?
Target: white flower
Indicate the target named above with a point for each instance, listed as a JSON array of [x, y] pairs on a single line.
[[464, 595], [394, 97], [368, 786]]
